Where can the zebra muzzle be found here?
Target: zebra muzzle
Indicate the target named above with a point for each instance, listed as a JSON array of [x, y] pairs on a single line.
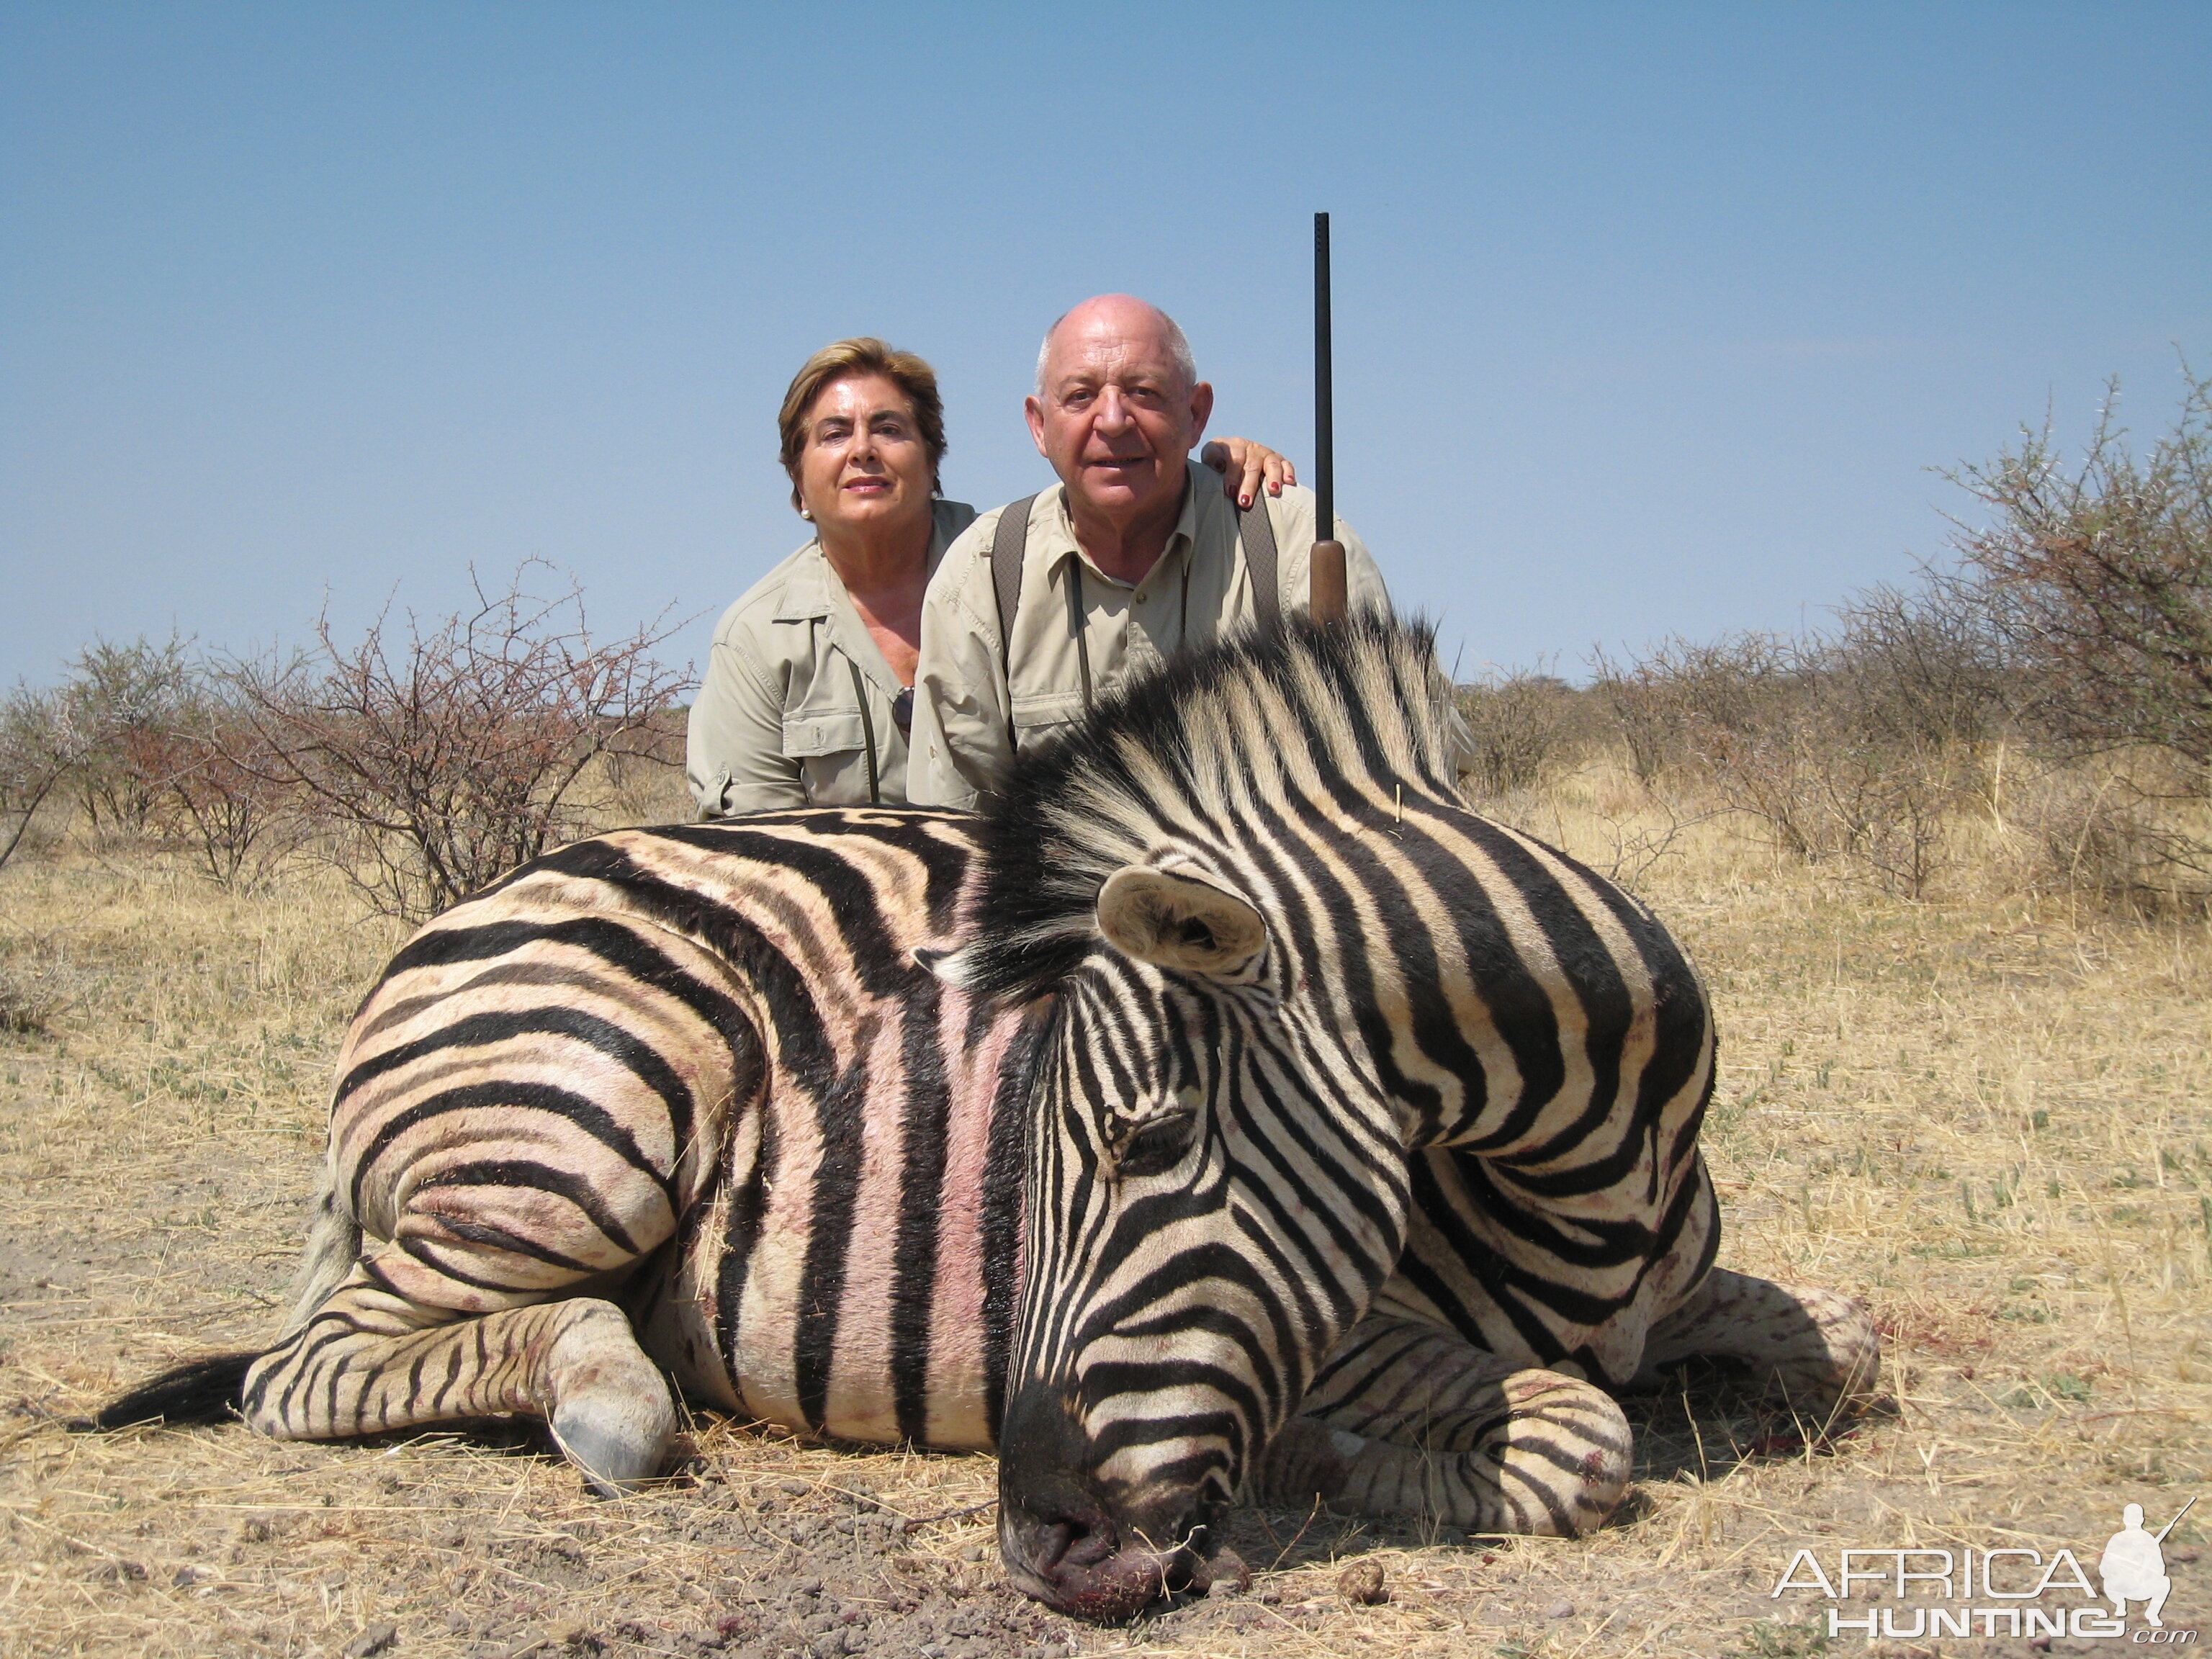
[[1086, 1548], [1088, 1568]]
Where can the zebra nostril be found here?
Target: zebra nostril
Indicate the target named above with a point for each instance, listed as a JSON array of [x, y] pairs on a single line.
[[1089, 1546], [1045, 1547], [1072, 1545]]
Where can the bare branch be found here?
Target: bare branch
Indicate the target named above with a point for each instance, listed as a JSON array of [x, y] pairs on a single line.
[[440, 761]]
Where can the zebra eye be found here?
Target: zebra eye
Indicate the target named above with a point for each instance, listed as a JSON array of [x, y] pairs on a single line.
[[1155, 1145]]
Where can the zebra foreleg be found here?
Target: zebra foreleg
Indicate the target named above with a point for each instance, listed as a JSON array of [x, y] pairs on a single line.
[[1407, 1420], [369, 1360], [1815, 1349]]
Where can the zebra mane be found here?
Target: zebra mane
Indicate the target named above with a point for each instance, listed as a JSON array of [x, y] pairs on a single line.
[[1321, 719]]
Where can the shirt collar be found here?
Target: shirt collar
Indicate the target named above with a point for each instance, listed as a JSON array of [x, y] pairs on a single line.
[[806, 590], [1181, 539], [811, 592]]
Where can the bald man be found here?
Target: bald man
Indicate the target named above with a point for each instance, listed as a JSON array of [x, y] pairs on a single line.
[[1112, 572]]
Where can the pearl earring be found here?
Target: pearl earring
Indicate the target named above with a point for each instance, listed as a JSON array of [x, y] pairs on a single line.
[[806, 513]]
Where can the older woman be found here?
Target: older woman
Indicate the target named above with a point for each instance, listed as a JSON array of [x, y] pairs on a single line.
[[809, 691]]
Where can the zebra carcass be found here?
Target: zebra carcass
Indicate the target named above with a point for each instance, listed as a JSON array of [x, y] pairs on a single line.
[[1230, 1111]]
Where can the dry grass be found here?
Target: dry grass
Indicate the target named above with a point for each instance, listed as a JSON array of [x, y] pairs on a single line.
[[1987, 1116]]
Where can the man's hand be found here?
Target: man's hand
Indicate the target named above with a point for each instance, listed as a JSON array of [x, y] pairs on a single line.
[[1244, 465]]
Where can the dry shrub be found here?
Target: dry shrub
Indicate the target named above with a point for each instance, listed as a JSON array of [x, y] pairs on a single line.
[[422, 768], [2111, 830], [39, 747], [40, 984], [2099, 579], [1525, 727], [435, 763], [1924, 668], [1819, 742], [143, 734], [2102, 575], [1637, 701], [1737, 708], [28, 999], [227, 802], [1821, 791], [643, 782], [130, 703], [1854, 748], [2071, 643]]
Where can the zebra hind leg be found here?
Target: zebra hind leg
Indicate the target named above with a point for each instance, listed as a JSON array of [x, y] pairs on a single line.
[[370, 1360], [480, 1303], [1407, 1419], [1817, 1351]]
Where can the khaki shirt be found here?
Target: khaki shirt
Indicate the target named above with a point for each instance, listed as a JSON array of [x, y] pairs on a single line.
[[776, 723], [1200, 587]]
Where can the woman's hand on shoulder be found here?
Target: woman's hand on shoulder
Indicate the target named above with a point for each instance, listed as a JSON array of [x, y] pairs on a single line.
[[1245, 466]]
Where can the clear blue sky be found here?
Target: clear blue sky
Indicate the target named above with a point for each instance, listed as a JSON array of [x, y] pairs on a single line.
[[1651, 319]]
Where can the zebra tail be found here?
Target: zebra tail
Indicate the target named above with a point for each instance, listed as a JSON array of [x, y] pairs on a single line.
[[211, 1389], [198, 1391], [333, 1245]]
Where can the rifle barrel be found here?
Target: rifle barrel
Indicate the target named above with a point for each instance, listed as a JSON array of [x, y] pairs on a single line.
[[1324, 389], [1326, 595], [2176, 1522]]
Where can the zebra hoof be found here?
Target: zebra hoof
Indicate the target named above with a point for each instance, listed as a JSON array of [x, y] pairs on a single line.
[[615, 1453]]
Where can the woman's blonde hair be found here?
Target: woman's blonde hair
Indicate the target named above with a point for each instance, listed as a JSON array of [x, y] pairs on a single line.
[[841, 360]]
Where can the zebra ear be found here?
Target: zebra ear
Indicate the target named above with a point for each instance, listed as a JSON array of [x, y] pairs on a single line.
[[1177, 921]]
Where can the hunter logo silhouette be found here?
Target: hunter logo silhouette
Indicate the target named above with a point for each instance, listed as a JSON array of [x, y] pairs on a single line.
[[2133, 1566]]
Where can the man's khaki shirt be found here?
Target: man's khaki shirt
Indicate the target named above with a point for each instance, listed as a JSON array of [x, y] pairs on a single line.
[[777, 722], [1199, 588]]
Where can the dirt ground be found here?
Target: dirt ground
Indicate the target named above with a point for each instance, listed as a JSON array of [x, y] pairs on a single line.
[[1992, 1121]]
